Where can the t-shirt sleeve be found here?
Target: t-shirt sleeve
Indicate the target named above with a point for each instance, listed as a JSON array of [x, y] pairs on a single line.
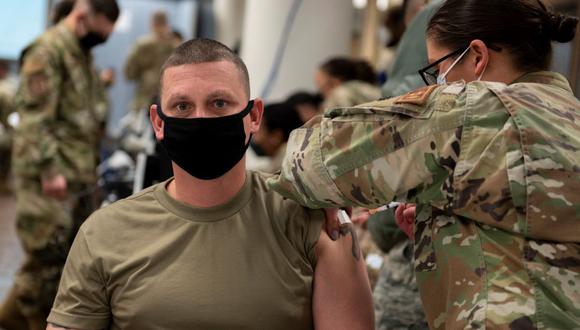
[[313, 229], [81, 301], [303, 230]]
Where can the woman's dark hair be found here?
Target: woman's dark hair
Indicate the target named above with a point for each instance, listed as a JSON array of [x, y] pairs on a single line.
[[302, 97], [283, 117], [346, 69], [525, 28]]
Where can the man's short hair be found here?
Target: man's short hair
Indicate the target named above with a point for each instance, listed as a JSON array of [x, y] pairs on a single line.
[[108, 8], [203, 50], [61, 10]]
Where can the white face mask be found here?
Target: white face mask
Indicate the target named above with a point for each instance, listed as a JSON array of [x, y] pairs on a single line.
[[442, 78]]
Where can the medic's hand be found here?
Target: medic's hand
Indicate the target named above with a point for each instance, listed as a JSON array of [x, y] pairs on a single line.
[[332, 225], [405, 216], [55, 187]]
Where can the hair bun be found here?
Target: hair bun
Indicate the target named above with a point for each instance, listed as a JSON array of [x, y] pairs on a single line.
[[562, 28]]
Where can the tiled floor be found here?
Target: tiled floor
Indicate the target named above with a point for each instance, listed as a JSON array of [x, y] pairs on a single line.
[[10, 251]]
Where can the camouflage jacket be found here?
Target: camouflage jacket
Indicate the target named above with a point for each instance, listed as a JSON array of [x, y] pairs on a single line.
[[495, 171], [60, 101], [144, 65]]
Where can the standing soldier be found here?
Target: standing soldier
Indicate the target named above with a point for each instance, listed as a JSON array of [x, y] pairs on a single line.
[[146, 58], [54, 154]]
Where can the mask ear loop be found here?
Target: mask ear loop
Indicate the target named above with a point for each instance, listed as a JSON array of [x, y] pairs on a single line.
[[482, 72], [160, 112], [481, 75], [454, 63], [244, 113]]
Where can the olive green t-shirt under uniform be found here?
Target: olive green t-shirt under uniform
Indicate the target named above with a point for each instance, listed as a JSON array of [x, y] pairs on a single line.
[[152, 262]]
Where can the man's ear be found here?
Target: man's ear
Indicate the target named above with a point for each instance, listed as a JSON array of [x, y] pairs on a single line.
[[156, 122], [481, 56], [256, 115]]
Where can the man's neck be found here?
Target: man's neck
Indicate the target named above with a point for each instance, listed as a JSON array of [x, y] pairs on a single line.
[[207, 193]]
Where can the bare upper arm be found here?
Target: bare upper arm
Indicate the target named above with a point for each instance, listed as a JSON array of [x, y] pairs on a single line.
[[58, 327], [342, 294]]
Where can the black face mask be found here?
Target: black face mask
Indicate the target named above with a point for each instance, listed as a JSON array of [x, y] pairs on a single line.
[[91, 40], [206, 148]]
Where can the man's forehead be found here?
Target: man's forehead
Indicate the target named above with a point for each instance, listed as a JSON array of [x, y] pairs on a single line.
[[222, 71], [215, 78], [204, 67]]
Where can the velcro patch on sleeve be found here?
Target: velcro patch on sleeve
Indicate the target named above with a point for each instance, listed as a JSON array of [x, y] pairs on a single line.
[[417, 97]]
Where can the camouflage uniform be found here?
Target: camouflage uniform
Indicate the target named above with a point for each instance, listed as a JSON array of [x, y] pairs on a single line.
[[494, 171], [144, 65], [351, 93], [60, 102], [412, 54], [396, 296]]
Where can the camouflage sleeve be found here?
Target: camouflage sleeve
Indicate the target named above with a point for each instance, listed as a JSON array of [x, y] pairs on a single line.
[[36, 144], [372, 154]]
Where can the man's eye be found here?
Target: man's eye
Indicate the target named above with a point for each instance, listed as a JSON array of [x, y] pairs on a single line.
[[182, 107], [220, 104]]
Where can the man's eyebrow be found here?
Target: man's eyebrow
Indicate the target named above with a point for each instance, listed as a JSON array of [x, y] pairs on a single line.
[[220, 93], [178, 97]]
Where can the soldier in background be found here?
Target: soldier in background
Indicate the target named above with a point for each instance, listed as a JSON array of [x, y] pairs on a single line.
[[106, 76], [54, 154], [490, 158], [146, 58], [346, 82]]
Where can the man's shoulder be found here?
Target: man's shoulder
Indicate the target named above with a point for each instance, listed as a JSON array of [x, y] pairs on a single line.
[[50, 48], [278, 206], [125, 211], [260, 186]]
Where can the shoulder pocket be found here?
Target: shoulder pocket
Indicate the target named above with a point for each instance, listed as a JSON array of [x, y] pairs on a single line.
[[418, 104], [381, 110]]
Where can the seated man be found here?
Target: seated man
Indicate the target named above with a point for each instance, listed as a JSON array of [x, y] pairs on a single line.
[[213, 247]]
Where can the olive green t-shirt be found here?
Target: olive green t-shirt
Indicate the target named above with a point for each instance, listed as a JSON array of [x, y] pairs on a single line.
[[152, 262]]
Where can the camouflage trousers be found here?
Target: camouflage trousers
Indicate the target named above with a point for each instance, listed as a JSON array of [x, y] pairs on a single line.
[[396, 296], [46, 228]]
